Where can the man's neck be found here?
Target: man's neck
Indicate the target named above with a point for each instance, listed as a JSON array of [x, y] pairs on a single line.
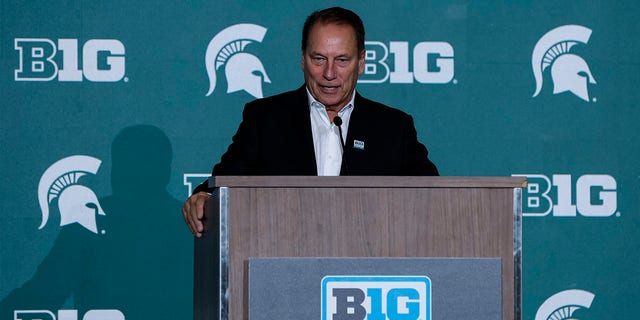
[[332, 112]]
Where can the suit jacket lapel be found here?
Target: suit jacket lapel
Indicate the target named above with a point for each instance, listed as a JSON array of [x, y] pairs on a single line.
[[302, 141], [357, 131]]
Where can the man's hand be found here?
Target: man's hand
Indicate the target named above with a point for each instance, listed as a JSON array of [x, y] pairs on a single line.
[[193, 212]]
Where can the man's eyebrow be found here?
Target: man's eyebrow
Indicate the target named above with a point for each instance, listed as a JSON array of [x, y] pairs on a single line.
[[340, 56]]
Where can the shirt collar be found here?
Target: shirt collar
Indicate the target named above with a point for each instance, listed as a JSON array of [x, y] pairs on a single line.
[[313, 103]]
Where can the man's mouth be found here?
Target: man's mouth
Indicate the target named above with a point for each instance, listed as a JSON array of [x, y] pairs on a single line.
[[328, 88]]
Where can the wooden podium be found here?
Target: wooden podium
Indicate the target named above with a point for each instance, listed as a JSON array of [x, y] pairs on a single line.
[[353, 217]]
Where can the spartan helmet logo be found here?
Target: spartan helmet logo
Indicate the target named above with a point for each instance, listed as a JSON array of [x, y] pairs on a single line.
[[563, 304], [569, 72], [76, 202], [227, 47]]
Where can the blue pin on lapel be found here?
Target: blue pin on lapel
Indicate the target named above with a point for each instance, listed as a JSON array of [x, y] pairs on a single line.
[[357, 144]]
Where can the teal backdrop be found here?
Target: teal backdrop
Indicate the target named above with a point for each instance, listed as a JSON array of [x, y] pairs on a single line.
[[110, 115]]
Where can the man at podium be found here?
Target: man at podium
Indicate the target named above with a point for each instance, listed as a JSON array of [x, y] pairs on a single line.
[[325, 127]]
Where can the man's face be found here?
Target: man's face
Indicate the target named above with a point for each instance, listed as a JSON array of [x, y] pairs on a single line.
[[331, 64]]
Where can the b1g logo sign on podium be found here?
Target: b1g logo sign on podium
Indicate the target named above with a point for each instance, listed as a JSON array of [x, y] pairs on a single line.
[[376, 298], [40, 60], [107, 314]]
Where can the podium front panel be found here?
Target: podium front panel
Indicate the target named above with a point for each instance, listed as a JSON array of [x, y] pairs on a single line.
[[318, 218]]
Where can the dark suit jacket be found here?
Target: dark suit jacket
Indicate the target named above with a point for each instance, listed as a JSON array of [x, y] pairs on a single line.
[[275, 138]]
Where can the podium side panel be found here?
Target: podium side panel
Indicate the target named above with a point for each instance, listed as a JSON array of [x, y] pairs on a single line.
[[210, 268]]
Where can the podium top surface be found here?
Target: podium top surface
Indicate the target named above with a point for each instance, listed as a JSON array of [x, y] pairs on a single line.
[[367, 182]]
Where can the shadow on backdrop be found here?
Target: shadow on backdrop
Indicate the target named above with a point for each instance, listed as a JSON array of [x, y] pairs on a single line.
[[140, 262]]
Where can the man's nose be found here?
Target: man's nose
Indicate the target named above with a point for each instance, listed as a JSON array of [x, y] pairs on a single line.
[[329, 71]]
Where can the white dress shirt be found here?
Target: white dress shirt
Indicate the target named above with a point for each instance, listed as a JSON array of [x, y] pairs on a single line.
[[326, 137]]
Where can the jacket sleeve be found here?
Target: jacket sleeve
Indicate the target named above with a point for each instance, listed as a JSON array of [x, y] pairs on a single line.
[[416, 156], [241, 158]]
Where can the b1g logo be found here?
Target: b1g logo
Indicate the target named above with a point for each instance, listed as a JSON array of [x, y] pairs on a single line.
[[111, 314], [43, 60], [192, 180], [432, 63], [376, 298], [595, 195]]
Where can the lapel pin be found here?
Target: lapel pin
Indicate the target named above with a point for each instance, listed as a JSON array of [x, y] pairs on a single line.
[[357, 144]]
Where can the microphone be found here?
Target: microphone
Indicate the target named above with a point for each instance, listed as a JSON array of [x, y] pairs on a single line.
[[338, 122]]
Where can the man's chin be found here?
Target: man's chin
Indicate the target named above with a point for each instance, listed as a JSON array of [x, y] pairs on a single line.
[[329, 99]]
